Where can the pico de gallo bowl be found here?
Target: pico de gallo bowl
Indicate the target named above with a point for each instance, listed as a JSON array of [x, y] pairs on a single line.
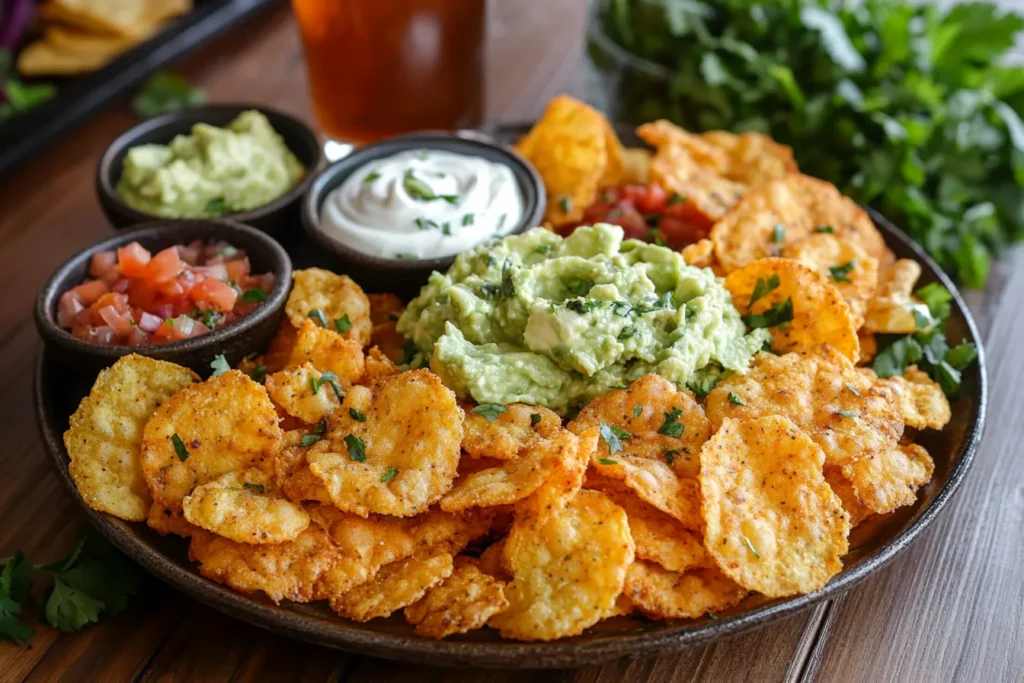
[[183, 291], [134, 297]]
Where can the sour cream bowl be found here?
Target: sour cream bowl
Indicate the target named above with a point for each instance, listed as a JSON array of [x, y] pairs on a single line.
[[394, 211]]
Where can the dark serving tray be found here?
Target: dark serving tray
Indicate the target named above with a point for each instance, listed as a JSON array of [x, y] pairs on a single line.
[[80, 97]]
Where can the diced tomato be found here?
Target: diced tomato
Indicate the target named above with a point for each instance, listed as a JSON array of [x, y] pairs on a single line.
[[89, 292], [133, 259], [182, 305], [171, 330], [163, 267], [171, 288], [632, 192], [220, 294], [238, 269], [119, 321], [68, 307], [141, 293], [678, 233], [101, 262], [653, 200], [118, 302], [632, 223]]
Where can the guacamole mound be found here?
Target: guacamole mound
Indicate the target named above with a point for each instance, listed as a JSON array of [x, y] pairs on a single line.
[[212, 172], [535, 318]]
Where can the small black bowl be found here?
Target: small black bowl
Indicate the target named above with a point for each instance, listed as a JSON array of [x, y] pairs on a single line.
[[405, 277], [251, 333], [276, 218]]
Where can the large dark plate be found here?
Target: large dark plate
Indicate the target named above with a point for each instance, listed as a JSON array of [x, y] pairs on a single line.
[[79, 97], [873, 544]]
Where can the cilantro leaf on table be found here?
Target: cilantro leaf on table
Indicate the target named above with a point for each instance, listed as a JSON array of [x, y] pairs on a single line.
[[166, 92], [14, 588], [905, 106]]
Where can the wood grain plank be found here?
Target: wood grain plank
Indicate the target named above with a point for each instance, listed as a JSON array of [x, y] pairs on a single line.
[[952, 608]]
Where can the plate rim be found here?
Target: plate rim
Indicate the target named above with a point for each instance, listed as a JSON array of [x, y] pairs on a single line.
[[346, 635]]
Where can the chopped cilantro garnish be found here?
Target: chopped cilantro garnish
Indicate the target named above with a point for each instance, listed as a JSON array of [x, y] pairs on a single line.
[[317, 316], [216, 207], [736, 400], [778, 233], [491, 411], [254, 295], [258, 488], [763, 287], [565, 204], [219, 365], [577, 286], [389, 474], [356, 448], [342, 324], [581, 306], [535, 419], [179, 447], [607, 461], [446, 228], [308, 440], [750, 546], [258, 374], [357, 415], [670, 455], [703, 386], [508, 287], [637, 409], [675, 198], [421, 191], [853, 390], [613, 436], [841, 272], [827, 229], [467, 219], [371, 176], [779, 313], [672, 426], [543, 249], [845, 413]]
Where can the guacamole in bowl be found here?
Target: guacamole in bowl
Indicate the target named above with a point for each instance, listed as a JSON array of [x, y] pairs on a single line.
[[540, 319]]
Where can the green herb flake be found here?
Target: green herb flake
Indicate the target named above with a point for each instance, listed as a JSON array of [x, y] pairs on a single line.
[[613, 436], [356, 448], [826, 229], [565, 204], [308, 440], [258, 374], [675, 198], [841, 272], [343, 324], [357, 415], [670, 455], [763, 287], [736, 400], [389, 474], [751, 548], [672, 426], [254, 295], [846, 413], [853, 390], [467, 219], [490, 411], [219, 365], [607, 461], [637, 410], [779, 313], [258, 488], [370, 177], [778, 233], [317, 316], [543, 249], [179, 447]]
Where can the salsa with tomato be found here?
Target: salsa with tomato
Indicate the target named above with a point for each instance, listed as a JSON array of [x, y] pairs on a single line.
[[648, 213], [134, 297]]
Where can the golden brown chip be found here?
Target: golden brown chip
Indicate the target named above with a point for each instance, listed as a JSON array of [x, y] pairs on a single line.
[[243, 507], [291, 470], [868, 345], [852, 271], [615, 168], [752, 158], [894, 310], [788, 209], [395, 586], [663, 423], [568, 566], [920, 400], [134, 20], [844, 489], [820, 315], [884, 482], [328, 351], [225, 424], [281, 346], [385, 307], [515, 479], [492, 561], [655, 483], [637, 165], [293, 390], [378, 365], [165, 522], [393, 449], [658, 537], [569, 148], [685, 165], [772, 523], [364, 545], [449, 531], [700, 254], [385, 337], [823, 393], [662, 594], [336, 297], [462, 602], [104, 438], [509, 433]]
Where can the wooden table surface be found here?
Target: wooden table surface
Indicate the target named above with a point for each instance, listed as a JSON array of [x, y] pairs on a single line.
[[951, 608]]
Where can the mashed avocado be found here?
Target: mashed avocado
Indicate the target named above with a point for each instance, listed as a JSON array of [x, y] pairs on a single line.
[[212, 172], [539, 319]]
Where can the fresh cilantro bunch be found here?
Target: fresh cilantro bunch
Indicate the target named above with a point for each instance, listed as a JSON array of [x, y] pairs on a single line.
[[92, 582], [166, 92], [927, 348], [905, 106]]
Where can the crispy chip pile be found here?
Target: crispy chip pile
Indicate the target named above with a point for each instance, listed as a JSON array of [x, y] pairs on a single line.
[[343, 476]]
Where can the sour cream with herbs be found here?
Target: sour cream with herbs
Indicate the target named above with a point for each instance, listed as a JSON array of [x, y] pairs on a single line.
[[423, 204]]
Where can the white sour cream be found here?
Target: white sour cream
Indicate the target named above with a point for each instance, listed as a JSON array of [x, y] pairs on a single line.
[[422, 204]]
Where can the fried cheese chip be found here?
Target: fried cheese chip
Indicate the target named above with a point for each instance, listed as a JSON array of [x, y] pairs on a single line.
[[752, 158], [492, 561], [378, 365], [164, 522], [852, 271], [772, 523], [894, 310], [785, 210], [338, 299], [823, 393], [514, 479], [392, 449], [764, 290], [663, 594], [841, 486], [662, 423], [241, 506], [225, 424], [568, 567], [328, 351], [569, 148], [104, 438], [509, 433], [384, 307], [920, 401], [884, 482], [292, 475], [395, 586], [700, 254], [449, 531], [462, 602], [868, 345], [655, 483], [293, 390], [636, 165]]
